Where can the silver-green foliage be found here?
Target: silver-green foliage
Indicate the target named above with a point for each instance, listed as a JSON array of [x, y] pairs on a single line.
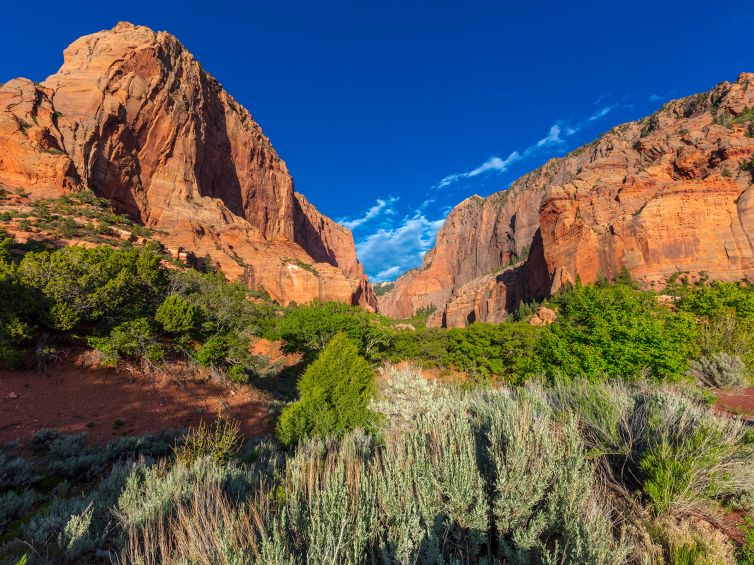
[[13, 505], [505, 475], [720, 370], [546, 505]]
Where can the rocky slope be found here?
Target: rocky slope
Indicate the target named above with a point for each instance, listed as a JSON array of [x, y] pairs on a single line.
[[132, 116], [666, 194]]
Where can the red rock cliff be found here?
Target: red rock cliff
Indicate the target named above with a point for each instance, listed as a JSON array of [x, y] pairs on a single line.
[[133, 116], [669, 193]]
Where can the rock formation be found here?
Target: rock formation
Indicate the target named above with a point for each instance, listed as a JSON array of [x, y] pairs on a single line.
[[669, 193], [132, 116]]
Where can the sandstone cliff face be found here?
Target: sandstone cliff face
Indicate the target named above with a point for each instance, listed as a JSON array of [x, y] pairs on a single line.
[[134, 117], [665, 194], [480, 238]]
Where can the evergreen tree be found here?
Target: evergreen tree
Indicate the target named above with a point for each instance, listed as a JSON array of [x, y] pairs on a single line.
[[334, 391]]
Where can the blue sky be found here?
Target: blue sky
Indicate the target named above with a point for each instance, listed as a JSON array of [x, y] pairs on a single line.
[[389, 113]]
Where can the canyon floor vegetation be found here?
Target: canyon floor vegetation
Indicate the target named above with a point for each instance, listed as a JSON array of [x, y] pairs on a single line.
[[589, 440]]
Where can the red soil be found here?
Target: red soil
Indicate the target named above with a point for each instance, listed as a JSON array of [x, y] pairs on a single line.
[[740, 402], [107, 403]]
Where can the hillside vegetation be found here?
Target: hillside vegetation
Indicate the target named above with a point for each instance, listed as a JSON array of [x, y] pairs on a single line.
[[589, 440]]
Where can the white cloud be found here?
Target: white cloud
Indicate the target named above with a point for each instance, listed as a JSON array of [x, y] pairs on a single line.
[[600, 114], [555, 136], [399, 245], [491, 164], [380, 206], [552, 138], [387, 274], [661, 97], [390, 251]]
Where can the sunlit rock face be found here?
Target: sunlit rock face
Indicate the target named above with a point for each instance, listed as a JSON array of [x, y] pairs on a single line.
[[669, 193], [134, 117]]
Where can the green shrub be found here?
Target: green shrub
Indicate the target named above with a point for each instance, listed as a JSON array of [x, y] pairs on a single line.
[[13, 505], [745, 553], [218, 443], [176, 315], [688, 542], [334, 394], [224, 307], [85, 285], [726, 333], [713, 300], [308, 329], [507, 351], [5, 243], [16, 473], [615, 330], [686, 454], [404, 397], [229, 352], [135, 340]]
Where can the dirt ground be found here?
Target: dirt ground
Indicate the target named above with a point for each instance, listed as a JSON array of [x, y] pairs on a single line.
[[107, 403], [739, 402]]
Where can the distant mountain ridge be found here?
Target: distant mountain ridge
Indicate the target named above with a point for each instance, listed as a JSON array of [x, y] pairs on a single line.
[[669, 193], [132, 116]]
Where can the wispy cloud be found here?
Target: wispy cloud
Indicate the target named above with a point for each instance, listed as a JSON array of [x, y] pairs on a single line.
[[600, 114], [555, 136], [380, 207], [661, 97], [388, 274], [552, 138], [391, 251], [491, 164]]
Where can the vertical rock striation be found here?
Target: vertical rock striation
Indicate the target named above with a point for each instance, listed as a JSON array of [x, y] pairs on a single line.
[[132, 116], [669, 193]]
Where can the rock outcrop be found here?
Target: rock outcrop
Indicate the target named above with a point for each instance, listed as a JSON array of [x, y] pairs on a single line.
[[132, 116], [669, 193]]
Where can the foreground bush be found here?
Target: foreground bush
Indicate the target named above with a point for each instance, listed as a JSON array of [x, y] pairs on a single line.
[[334, 394], [436, 492], [589, 473], [721, 370]]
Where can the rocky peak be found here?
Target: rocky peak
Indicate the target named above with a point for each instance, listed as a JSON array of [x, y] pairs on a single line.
[[671, 192], [132, 116]]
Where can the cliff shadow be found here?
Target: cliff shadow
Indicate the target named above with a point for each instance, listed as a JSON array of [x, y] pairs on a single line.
[[530, 281], [215, 170], [306, 234]]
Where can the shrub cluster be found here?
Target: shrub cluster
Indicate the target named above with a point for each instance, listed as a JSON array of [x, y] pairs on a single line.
[[580, 473], [127, 305], [334, 393]]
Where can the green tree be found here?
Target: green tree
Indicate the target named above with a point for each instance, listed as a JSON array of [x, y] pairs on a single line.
[[5, 242], [176, 315], [135, 339], [308, 329], [334, 393], [20, 308], [86, 285], [713, 300], [223, 306], [615, 330], [505, 350]]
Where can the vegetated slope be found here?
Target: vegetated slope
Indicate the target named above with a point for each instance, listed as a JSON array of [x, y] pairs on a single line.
[[132, 116], [671, 192]]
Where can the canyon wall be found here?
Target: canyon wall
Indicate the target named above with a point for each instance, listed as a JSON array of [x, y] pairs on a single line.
[[132, 116], [666, 194]]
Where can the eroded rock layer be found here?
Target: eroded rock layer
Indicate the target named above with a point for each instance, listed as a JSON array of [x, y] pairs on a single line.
[[669, 193], [132, 116]]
